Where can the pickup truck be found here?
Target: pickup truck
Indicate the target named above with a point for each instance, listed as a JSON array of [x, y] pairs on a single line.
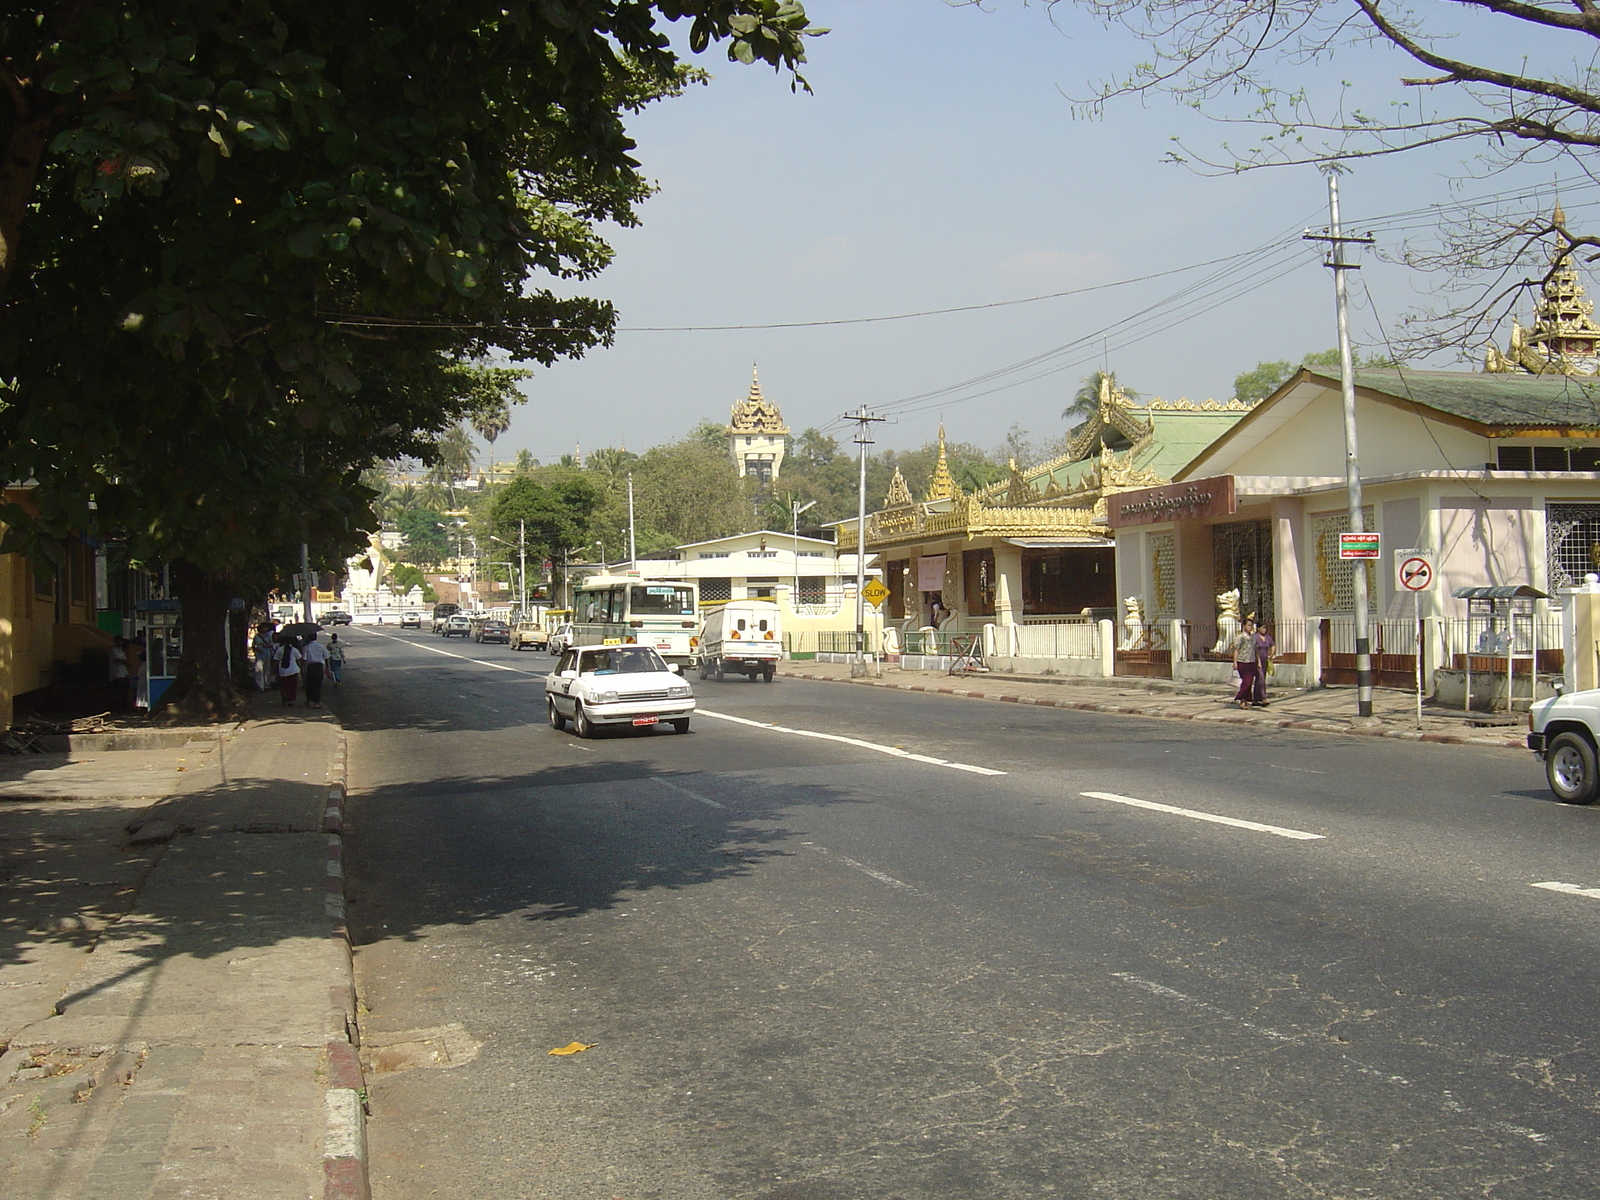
[[1562, 730]]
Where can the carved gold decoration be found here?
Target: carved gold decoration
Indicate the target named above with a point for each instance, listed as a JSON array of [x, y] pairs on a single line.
[[942, 486], [899, 492], [1564, 339], [756, 414]]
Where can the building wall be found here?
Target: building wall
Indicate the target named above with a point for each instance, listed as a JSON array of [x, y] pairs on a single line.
[[1392, 442]]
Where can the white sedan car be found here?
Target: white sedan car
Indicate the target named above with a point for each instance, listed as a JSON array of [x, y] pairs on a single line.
[[595, 686]]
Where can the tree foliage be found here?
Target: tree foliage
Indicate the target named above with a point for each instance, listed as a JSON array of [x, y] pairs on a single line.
[[245, 249], [1261, 380]]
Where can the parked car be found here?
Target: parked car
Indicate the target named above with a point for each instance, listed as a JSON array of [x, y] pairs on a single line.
[[1563, 732], [528, 632], [492, 630], [456, 625], [411, 620], [337, 616], [560, 638], [599, 686]]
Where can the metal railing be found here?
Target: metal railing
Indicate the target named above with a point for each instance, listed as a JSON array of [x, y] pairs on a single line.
[[1078, 638]]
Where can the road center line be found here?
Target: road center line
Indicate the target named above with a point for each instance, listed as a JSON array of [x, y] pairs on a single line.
[[863, 868], [1570, 889], [667, 783], [1256, 826], [894, 751]]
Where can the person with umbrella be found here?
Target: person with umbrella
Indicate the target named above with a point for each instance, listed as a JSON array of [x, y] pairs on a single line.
[[289, 669]]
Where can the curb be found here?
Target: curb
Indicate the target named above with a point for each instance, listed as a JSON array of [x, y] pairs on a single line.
[[344, 1141], [1311, 724]]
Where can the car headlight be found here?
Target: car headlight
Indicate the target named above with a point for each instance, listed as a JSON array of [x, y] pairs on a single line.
[[678, 692], [605, 697]]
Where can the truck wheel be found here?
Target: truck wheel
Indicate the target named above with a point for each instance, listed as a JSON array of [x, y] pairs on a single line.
[[721, 674], [705, 672], [557, 721], [1569, 765], [766, 676]]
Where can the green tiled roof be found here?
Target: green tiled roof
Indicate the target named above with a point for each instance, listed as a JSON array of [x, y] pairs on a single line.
[[1180, 435], [1532, 401]]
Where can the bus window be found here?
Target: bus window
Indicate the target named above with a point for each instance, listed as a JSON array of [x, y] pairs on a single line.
[[657, 600]]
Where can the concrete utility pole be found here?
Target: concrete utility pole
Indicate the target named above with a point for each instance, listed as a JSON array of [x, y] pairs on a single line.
[[1352, 466], [522, 565], [795, 509], [864, 421], [633, 555]]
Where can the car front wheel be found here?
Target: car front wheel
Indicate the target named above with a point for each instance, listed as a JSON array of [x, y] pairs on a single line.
[[557, 721], [1569, 765], [681, 724], [581, 725]]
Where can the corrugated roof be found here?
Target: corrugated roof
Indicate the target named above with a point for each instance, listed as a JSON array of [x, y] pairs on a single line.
[[1180, 435], [1530, 401]]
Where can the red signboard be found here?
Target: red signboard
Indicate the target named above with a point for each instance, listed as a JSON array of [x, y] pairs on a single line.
[[1212, 497]]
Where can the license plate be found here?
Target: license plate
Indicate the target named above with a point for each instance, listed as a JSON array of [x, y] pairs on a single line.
[[645, 720], [663, 645]]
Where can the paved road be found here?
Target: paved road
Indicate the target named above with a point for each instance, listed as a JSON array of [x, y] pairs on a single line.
[[815, 969]]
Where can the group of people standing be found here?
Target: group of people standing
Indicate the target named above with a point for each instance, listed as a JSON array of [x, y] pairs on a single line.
[[1252, 655], [283, 659]]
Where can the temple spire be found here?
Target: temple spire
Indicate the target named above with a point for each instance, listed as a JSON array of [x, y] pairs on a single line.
[[942, 485]]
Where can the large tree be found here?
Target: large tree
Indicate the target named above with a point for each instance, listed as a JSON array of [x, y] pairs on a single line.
[[244, 248]]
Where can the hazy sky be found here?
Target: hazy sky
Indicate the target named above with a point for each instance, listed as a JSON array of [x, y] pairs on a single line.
[[939, 165]]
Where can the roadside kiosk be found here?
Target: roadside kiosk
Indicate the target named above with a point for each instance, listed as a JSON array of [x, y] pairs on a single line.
[[162, 624], [1501, 625]]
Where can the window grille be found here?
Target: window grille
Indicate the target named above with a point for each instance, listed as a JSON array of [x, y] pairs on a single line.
[[1163, 574], [812, 589], [1572, 543], [1336, 576], [716, 589]]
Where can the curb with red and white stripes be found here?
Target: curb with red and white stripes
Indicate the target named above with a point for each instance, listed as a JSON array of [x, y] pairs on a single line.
[[1173, 714], [344, 1141]]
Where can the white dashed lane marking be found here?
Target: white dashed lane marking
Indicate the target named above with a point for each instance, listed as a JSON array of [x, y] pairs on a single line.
[[1570, 889], [878, 747], [1196, 815]]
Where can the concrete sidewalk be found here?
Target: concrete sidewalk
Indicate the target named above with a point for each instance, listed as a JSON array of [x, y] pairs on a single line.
[[176, 1004], [1327, 710]]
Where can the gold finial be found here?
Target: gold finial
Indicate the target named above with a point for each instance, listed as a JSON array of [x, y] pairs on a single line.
[[1558, 215], [942, 486]]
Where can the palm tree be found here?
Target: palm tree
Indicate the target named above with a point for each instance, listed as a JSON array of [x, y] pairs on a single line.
[[454, 458], [1086, 400], [491, 421]]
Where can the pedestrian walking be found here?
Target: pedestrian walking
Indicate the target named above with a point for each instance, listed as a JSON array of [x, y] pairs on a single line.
[[288, 672], [1244, 662], [335, 658], [314, 661], [261, 647], [1265, 644]]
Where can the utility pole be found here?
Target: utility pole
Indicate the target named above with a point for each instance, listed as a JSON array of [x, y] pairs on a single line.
[[864, 421], [522, 565], [1352, 466], [633, 555], [795, 509]]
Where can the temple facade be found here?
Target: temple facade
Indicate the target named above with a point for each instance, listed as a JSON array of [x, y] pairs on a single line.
[[757, 436], [1564, 339], [1035, 547]]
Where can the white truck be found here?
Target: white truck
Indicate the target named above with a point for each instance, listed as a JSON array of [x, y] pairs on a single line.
[[1565, 731], [741, 637]]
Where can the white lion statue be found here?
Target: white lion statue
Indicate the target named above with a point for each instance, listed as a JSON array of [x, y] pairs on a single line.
[[1133, 623], [1227, 621]]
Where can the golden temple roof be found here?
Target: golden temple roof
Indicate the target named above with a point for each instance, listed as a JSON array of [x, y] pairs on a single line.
[[755, 413], [943, 485], [1564, 339]]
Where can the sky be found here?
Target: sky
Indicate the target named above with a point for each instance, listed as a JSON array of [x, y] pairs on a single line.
[[938, 164]]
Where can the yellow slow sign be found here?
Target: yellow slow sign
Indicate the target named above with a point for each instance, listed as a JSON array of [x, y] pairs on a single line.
[[875, 593]]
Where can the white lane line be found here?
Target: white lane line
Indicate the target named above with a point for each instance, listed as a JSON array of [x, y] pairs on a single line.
[[863, 868], [667, 783], [452, 654], [1256, 826], [1166, 993], [1570, 889], [894, 751]]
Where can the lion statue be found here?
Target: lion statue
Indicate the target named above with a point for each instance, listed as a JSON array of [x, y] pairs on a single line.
[[1227, 621], [1133, 623]]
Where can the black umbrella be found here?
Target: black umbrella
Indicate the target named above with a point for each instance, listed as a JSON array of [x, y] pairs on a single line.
[[299, 629]]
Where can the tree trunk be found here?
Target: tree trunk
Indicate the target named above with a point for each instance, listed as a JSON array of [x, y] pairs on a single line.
[[203, 690]]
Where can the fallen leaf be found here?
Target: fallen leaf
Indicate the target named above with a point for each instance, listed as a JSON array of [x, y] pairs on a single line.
[[573, 1048]]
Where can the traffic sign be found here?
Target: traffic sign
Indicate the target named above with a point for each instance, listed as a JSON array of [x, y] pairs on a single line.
[[1415, 570], [875, 593], [1360, 545]]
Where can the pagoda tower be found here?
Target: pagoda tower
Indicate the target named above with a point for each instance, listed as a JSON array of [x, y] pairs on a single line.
[[1564, 339], [757, 436]]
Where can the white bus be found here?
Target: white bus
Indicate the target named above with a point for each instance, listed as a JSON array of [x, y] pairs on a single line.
[[611, 610]]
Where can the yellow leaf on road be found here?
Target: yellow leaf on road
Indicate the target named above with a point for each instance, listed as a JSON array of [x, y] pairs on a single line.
[[572, 1048]]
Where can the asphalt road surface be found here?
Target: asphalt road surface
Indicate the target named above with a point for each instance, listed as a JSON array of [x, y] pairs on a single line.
[[953, 949]]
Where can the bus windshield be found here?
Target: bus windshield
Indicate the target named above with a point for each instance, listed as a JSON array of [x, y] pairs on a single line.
[[662, 600]]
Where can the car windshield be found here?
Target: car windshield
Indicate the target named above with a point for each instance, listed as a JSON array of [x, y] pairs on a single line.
[[630, 660]]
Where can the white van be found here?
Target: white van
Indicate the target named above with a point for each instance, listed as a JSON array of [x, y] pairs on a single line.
[[742, 637]]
